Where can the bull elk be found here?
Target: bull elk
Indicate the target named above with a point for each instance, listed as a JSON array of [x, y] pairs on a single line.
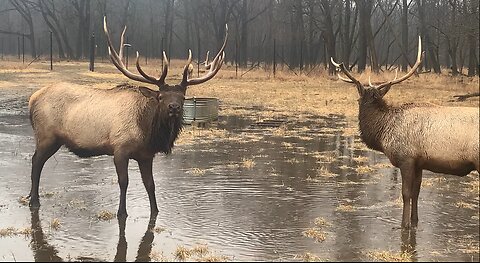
[[128, 122], [416, 136]]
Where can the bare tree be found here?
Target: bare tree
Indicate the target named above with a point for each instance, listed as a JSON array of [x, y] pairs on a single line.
[[24, 7]]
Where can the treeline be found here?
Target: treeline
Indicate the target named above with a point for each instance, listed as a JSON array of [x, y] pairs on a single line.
[[381, 34]]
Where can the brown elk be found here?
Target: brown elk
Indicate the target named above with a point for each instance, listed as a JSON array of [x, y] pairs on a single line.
[[128, 122], [416, 136]]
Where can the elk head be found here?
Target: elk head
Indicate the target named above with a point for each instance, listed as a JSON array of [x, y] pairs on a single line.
[[375, 93], [169, 97]]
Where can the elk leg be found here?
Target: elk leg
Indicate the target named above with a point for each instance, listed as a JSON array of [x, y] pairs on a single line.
[[147, 178], [417, 182], [408, 173], [121, 165], [43, 152]]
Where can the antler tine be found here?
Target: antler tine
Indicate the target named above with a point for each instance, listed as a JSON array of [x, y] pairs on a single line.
[[345, 71], [420, 56], [213, 67], [140, 70], [161, 80], [120, 50], [117, 60], [207, 66], [344, 79], [185, 69]]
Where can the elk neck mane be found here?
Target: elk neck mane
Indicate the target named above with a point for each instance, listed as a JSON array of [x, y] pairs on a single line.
[[378, 120], [164, 133]]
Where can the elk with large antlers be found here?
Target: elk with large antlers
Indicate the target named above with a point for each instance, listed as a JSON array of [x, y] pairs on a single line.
[[128, 122], [416, 136]]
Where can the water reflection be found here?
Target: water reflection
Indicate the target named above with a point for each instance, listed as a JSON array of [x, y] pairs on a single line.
[[249, 195], [42, 250], [45, 252], [145, 247], [409, 242]]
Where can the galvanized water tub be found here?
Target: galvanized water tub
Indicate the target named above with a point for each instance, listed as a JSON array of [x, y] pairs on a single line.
[[200, 110]]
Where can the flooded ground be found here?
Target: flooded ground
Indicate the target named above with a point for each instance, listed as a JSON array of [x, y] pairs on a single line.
[[247, 189]]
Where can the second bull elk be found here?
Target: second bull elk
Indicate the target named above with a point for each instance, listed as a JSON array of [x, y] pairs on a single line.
[[416, 136], [128, 122]]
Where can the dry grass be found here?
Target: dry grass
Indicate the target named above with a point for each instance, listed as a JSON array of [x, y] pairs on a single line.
[[9, 231], [473, 186], [47, 194], [55, 224], [201, 251], [159, 257], [316, 234], [325, 157], [197, 171], [345, 208], [462, 204], [158, 229], [324, 172], [248, 163], [360, 159], [389, 256], [321, 222], [310, 92], [105, 215], [12, 231], [212, 258], [309, 257], [433, 181], [24, 200], [364, 169], [182, 253]]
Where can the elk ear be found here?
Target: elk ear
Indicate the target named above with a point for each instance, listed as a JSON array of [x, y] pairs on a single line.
[[148, 92], [383, 90]]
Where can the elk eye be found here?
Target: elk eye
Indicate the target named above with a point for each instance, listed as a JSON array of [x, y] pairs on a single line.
[[160, 97]]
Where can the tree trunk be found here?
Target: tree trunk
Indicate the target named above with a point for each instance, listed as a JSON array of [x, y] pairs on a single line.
[[328, 34], [404, 25], [61, 53], [23, 7], [347, 41], [362, 35], [243, 34], [432, 58]]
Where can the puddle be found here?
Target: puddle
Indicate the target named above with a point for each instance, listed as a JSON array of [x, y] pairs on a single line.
[[253, 194]]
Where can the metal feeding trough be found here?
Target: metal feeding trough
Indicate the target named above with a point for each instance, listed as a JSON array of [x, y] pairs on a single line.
[[200, 110]]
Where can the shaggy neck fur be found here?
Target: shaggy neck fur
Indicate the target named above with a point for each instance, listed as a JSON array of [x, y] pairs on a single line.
[[164, 129], [376, 119], [164, 133]]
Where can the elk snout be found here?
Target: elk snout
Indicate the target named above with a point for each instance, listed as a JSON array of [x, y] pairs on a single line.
[[174, 109]]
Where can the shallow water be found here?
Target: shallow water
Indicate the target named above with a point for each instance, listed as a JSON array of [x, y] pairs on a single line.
[[248, 195]]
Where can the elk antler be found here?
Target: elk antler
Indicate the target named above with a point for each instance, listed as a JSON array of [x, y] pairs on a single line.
[[213, 67], [345, 71], [117, 61], [420, 56]]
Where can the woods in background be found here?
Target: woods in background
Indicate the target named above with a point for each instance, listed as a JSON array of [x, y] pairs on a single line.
[[304, 34]]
